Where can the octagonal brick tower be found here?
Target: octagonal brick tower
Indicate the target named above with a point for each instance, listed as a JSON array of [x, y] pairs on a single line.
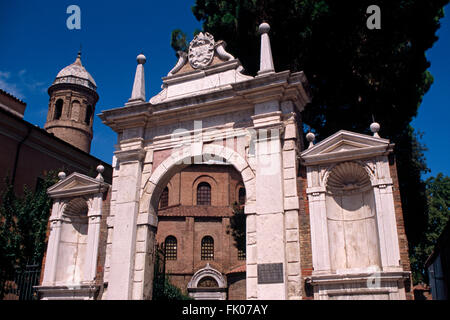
[[73, 97]]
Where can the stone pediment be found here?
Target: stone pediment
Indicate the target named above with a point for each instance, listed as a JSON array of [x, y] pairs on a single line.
[[76, 184], [206, 67], [345, 145]]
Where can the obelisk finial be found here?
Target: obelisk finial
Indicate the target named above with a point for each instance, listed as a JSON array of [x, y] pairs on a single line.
[[266, 60]]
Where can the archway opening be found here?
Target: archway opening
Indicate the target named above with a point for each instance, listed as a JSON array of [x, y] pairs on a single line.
[[201, 202]]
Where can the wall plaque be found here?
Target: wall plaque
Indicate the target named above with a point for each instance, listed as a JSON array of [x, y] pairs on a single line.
[[270, 273]]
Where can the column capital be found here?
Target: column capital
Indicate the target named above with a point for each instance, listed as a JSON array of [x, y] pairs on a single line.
[[130, 155]]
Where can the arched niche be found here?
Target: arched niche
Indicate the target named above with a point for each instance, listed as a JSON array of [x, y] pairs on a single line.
[[75, 111], [207, 284], [351, 218], [73, 243]]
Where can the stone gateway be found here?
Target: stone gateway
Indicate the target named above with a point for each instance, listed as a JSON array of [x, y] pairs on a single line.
[[322, 221]]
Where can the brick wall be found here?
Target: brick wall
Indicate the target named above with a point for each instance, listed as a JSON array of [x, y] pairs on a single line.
[[304, 232], [189, 223], [402, 239], [103, 239]]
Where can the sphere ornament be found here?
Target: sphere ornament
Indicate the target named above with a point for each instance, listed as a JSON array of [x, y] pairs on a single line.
[[264, 28], [100, 168], [310, 137], [141, 59], [375, 127], [62, 175]]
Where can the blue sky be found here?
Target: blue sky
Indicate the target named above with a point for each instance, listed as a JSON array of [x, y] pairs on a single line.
[[36, 44]]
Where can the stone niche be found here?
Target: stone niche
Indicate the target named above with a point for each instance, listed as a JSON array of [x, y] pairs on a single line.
[[354, 237], [351, 218], [73, 245], [73, 242], [208, 284]]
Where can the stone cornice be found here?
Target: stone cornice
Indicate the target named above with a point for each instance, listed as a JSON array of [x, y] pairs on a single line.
[[280, 86], [334, 278], [130, 155], [62, 292]]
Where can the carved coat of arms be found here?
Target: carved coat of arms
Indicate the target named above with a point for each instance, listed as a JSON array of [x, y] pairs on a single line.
[[201, 50]]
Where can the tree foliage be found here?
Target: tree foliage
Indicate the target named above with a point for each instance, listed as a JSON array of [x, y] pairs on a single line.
[[356, 74], [438, 195], [23, 224], [163, 289], [237, 227]]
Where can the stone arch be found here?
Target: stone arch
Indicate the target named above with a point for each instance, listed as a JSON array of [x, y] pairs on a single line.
[[210, 272], [213, 293], [181, 158]]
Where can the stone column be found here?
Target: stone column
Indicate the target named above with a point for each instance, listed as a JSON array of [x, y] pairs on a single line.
[[291, 207], [94, 216], [51, 258], [318, 222], [125, 220], [269, 218], [319, 232], [387, 228]]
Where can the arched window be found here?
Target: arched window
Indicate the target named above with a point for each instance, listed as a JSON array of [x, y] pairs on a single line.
[[87, 118], [171, 248], [204, 194], [207, 249], [241, 195], [58, 109], [164, 199]]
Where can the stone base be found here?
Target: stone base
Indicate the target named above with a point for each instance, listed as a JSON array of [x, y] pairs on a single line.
[[359, 286], [76, 292], [208, 293]]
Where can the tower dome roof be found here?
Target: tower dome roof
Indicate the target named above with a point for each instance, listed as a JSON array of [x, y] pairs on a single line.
[[76, 74]]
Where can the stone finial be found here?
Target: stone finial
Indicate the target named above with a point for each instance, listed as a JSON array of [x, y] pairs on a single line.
[[138, 93], [310, 137], [266, 60], [375, 127], [61, 175], [100, 170]]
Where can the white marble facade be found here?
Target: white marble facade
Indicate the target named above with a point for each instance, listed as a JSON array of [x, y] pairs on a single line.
[[73, 245], [209, 111], [353, 226]]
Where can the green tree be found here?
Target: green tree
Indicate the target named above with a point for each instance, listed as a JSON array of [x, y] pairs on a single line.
[[163, 289], [23, 224], [438, 195], [237, 227], [355, 74]]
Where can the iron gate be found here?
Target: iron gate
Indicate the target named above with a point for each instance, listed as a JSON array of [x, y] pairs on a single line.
[[20, 286]]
